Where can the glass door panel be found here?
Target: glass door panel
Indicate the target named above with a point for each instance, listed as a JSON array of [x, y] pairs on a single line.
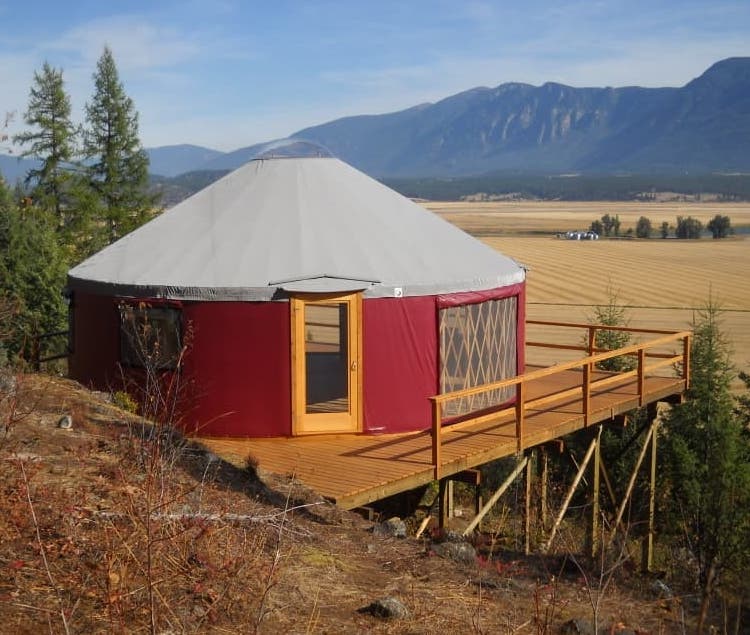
[[326, 357]]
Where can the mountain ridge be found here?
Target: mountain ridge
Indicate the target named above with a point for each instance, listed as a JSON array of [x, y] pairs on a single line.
[[701, 127], [555, 127]]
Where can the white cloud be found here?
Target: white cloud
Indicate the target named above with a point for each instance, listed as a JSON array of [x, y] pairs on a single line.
[[136, 42]]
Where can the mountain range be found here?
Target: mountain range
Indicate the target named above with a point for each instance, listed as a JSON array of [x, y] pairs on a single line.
[[701, 127]]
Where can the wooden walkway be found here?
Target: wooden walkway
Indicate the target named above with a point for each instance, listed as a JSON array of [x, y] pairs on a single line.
[[354, 470]]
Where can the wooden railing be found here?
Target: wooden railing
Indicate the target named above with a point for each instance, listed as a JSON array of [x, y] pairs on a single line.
[[37, 359], [643, 352]]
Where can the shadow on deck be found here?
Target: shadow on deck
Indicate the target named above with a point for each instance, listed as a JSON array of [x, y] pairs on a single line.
[[552, 401]]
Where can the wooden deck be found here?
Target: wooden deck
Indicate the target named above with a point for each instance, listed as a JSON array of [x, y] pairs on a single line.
[[354, 470]]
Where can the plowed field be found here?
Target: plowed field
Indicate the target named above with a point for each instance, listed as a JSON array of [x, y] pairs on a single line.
[[662, 282]]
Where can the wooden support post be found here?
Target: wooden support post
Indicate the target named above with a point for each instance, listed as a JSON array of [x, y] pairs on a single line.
[[686, 361], [542, 472], [445, 501], [368, 513], [527, 504], [494, 498], [592, 340], [648, 560], [569, 495], [631, 483], [611, 493], [594, 527], [608, 483], [423, 526]]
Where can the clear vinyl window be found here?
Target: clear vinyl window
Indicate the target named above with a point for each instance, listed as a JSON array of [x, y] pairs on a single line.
[[150, 337]]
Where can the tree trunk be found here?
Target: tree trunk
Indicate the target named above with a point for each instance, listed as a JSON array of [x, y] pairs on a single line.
[[706, 593]]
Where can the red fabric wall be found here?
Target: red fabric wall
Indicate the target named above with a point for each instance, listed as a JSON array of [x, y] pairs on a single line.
[[239, 362], [236, 378], [238, 369], [400, 363]]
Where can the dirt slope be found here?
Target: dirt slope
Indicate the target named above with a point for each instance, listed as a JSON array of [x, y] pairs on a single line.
[[94, 517]]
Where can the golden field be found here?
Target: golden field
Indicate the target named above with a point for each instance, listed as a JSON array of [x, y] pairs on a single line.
[[661, 282], [530, 217]]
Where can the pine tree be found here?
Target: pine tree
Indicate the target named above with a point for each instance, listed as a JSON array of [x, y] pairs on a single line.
[[612, 314], [117, 163], [707, 464], [32, 271], [51, 141]]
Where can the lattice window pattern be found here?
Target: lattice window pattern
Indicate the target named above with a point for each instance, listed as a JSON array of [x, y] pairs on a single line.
[[477, 346]]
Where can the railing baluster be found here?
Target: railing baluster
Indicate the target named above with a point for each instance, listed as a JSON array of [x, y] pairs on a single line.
[[586, 393], [520, 409], [437, 425], [641, 374]]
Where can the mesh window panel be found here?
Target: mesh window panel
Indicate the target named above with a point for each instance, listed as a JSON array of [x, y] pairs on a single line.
[[477, 346]]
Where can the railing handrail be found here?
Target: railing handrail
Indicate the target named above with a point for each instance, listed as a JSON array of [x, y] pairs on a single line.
[[603, 327], [44, 336], [587, 364], [36, 357], [558, 368]]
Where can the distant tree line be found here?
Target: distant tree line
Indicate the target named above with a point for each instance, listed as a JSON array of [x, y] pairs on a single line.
[[90, 189], [685, 227], [176, 189], [583, 188], [729, 187]]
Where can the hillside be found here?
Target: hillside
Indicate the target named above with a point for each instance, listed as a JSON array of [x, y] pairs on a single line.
[[178, 159], [94, 516], [13, 168]]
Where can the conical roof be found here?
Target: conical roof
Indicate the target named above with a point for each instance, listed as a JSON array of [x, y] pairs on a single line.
[[294, 224]]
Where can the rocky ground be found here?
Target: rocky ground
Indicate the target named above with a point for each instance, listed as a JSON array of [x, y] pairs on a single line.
[[109, 524]]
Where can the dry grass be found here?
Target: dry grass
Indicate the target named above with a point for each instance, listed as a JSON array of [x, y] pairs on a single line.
[[663, 282]]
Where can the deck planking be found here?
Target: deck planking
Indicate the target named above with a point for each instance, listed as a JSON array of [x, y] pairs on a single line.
[[354, 470]]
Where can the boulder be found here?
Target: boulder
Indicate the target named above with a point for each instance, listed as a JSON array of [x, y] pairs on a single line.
[[392, 528], [386, 608]]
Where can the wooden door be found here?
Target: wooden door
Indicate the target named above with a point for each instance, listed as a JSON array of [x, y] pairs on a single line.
[[326, 345]]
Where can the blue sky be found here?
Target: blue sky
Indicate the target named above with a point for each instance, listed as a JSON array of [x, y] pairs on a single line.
[[229, 73]]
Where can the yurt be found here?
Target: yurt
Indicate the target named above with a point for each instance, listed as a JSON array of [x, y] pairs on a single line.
[[299, 296]]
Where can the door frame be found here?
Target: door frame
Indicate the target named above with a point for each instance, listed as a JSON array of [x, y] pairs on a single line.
[[304, 423]]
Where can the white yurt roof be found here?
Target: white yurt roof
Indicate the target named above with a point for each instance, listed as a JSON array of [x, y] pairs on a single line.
[[294, 225]]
